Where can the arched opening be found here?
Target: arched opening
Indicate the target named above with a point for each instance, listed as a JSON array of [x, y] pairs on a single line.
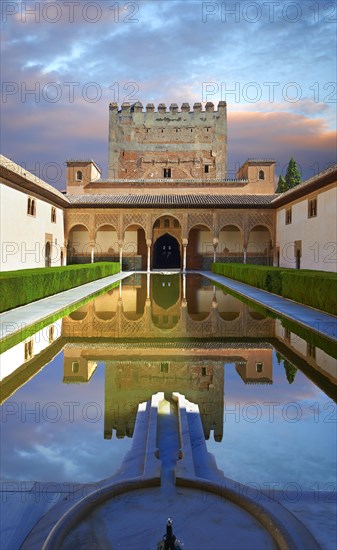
[[229, 308], [165, 300], [261, 175], [78, 245], [107, 244], [199, 296], [166, 253], [47, 254], [166, 290], [230, 247], [79, 175], [259, 249], [200, 251], [134, 249], [105, 306], [79, 314]]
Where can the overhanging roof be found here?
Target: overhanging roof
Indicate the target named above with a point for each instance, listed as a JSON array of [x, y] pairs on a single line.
[[171, 201], [21, 179]]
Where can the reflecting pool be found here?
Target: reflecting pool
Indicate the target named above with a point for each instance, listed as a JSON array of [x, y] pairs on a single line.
[[70, 392]]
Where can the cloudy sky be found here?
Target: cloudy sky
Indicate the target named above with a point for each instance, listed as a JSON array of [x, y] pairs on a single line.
[[274, 62]]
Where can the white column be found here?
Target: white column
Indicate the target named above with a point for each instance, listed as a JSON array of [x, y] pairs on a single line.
[[148, 285], [148, 256], [215, 246], [244, 254], [92, 253], [185, 242], [121, 255], [184, 287]]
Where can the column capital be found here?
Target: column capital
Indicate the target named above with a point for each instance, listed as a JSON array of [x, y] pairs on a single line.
[[148, 242], [184, 242]]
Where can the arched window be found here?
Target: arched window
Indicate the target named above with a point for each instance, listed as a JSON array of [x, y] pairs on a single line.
[[261, 175], [79, 175], [53, 214], [75, 367], [29, 206], [32, 208]]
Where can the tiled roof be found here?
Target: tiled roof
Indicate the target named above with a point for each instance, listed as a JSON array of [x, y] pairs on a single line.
[[173, 201], [26, 180], [315, 182]]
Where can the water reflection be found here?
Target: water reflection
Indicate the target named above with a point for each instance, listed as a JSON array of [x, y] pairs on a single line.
[[165, 333]]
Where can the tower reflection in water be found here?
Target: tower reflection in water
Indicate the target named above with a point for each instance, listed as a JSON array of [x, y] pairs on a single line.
[[165, 335]]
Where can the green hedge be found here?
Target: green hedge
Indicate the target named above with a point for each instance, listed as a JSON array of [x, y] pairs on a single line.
[[27, 285], [313, 288]]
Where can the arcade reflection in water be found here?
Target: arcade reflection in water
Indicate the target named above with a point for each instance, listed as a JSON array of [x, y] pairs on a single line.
[[165, 333]]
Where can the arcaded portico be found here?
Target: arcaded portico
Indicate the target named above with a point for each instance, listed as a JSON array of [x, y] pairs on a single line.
[[176, 236]]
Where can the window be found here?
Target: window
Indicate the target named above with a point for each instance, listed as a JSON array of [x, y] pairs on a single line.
[[311, 351], [259, 367], [176, 223], [164, 367], [206, 168], [167, 172], [79, 175], [53, 215], [29, 349], [166, 222], [288, 216], [261, 175], [312, 208], [31, 208], [203, 371], [75, 367], [51, 334]]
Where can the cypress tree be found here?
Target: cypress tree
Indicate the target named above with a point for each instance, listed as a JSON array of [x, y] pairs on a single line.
[[293, 176], [281, 186]]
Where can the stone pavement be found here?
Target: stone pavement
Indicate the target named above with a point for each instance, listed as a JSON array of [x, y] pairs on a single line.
[[312, 319], [14, 320]]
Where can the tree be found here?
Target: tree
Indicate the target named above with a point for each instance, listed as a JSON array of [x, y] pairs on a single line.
[[293, 176], [290, 371], [281, 186]]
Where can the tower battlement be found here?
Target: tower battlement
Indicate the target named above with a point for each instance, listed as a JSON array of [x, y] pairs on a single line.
[[127, 108], [146, 143]]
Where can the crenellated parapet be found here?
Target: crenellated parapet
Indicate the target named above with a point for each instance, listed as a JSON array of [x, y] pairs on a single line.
[[127, 108]]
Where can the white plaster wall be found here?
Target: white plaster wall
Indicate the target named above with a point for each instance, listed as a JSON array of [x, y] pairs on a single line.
[[318, 235], [323, 360], [23, 236], [13, 358], [326, 363]]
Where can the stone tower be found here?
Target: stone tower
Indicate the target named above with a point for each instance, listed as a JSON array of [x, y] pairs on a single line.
[[167, 144]]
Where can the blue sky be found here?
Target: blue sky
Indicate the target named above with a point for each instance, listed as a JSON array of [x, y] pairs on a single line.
[[273, 62]]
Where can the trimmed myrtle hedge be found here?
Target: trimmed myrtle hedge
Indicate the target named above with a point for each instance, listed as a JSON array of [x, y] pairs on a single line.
[[313, 288], [27, 285]]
